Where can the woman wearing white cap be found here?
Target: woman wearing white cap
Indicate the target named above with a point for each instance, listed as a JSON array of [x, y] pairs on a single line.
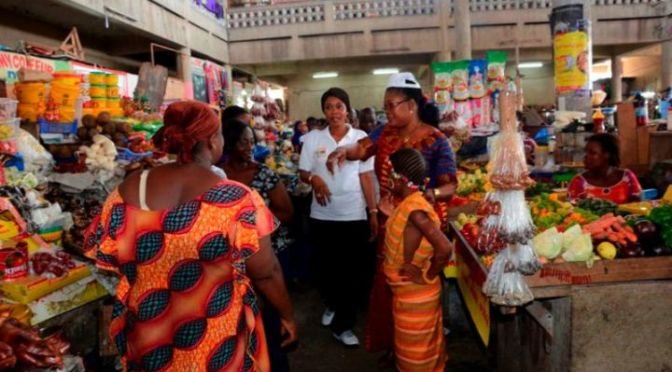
[[409, 115]]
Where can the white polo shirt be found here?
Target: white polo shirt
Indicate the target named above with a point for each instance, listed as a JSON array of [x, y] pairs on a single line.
[[347, 198]]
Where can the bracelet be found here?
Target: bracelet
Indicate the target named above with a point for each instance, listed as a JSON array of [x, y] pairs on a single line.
[[310, 179], [373, 211], [436, 192]]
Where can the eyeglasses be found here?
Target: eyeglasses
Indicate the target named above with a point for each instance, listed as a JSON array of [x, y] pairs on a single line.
[[389, 106]]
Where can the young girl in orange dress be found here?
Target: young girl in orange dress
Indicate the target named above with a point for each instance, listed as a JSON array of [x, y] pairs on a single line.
[[415, 252]]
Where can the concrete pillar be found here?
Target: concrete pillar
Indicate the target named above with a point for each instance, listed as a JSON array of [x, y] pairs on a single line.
[[666, 65], [184, 72], [462, 18], [616, 79]]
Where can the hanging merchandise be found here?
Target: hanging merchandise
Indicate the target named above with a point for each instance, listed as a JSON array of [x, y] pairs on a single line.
[[258, 109], [507, 224], [496, 70], [442, 86], [480, 101], [459, 74]]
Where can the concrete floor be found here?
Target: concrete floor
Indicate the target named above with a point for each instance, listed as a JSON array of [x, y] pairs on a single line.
[[319, 351]]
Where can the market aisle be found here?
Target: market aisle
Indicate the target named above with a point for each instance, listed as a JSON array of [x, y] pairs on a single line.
[[319, 351]]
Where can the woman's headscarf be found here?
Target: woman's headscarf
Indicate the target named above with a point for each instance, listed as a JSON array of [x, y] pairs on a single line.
[[185, 125]]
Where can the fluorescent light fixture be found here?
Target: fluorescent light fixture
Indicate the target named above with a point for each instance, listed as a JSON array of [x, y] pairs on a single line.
[[531, 65], [325, 75], [648, 95], [385, 71]]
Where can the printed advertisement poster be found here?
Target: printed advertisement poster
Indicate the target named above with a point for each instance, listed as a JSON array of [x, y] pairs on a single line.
[[572, 61]]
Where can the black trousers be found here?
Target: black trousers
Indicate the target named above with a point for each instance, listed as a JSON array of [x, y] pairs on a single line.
[[341, 255]]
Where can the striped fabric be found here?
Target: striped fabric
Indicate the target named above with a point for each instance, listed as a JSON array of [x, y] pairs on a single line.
[[418, 322]]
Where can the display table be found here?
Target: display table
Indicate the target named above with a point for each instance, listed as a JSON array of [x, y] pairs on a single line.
[[614, 316]]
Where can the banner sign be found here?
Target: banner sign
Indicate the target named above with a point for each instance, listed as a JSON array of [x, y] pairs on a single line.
[[470, 280], [572, 61]]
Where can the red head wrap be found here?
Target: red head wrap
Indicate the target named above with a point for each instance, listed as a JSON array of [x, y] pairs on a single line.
[[185, 124]]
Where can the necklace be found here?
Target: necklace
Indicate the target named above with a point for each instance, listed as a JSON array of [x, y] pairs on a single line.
[[407, 137]]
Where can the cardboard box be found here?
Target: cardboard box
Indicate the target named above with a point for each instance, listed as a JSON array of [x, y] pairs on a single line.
[[29, 289]]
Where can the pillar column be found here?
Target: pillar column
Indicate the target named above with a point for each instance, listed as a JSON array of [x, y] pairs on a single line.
[[462, 18], [184, 72], [616, 79], [666, 65]]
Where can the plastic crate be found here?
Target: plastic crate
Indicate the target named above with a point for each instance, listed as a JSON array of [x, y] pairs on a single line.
[[60, 128], [649, 194], [125, 154], [8, 108]]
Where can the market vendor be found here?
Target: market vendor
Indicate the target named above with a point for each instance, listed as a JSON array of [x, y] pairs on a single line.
[[603, 179]]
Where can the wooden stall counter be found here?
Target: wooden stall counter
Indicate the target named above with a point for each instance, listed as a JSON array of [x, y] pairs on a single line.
[[614, 316]]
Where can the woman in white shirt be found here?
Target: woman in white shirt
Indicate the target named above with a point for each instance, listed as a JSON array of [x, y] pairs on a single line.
[[338, 214]]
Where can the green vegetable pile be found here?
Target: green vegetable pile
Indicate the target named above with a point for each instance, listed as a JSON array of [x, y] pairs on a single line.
[[662, 216], [538, 189], [598, 206]]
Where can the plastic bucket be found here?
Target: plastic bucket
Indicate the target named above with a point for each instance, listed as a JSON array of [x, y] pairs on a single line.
[[67, 115], [97, 90], [111, 79], [65, 78], [99, 102], [28, 111], [65, 95], [113, 102], [97, 78], [30, 93], [112, 91]]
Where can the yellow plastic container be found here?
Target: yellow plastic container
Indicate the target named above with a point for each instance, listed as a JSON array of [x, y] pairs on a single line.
[[28, 111], [113, 102], [116, 112], [30, 92], [67, 115], [97, 78], [99, 102], [66, 78], [111, 79], [98, 90], [65, 95], [112, 91]]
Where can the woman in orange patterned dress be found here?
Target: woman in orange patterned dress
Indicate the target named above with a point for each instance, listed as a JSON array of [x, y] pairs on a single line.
[[415, 252], [187, 254], [409, 117]]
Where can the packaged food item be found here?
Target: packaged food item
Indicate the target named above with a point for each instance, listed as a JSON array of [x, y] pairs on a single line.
[[496, 70], [442, 86], [477, 87], [481, 111], [459, 73], [14, 262]]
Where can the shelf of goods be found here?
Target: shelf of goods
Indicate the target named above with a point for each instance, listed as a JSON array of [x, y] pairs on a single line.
[[582, 318]]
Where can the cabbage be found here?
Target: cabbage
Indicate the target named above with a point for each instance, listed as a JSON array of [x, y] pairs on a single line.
[[580, 249], [548, 244], [569, 235]]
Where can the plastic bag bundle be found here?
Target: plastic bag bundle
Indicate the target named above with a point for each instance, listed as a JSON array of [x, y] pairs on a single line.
[[513, 222], [508, 166], [505, 284], [526, 259]]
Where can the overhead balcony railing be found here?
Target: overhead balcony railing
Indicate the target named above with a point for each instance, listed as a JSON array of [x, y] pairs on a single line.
[[358, 9], [345, 10], [307, 12]]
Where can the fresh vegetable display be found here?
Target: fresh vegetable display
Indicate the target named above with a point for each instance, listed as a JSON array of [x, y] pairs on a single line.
[[469, 183], [662, 216], [597, 206]]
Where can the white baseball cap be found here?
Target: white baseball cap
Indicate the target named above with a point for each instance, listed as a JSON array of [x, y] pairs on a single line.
[[403, 80]]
